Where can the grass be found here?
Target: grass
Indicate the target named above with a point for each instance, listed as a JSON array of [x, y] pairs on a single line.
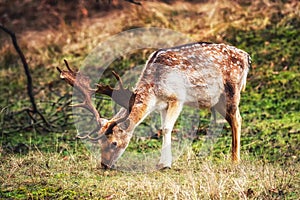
[[75, 175], [43, 163]]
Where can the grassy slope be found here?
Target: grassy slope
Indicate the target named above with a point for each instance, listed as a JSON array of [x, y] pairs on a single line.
[[270, 109]]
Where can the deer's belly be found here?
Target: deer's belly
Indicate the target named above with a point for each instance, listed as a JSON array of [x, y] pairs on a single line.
[[203, 97]]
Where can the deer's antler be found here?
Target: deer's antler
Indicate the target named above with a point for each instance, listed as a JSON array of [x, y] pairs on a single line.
[[123, 97], [82, 84]]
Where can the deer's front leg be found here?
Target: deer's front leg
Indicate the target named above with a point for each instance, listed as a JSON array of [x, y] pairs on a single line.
[[169, 118]]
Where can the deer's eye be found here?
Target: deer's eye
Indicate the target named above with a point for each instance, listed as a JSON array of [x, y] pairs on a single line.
[[114, 144]]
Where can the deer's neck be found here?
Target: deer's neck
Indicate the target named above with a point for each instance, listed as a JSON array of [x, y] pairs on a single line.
[[144, 104]]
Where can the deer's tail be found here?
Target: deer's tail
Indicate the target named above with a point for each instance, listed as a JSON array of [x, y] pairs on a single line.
[[247, 66]]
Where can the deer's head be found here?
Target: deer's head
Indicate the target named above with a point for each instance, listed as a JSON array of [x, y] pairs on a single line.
[[112, 135], [115, 139]]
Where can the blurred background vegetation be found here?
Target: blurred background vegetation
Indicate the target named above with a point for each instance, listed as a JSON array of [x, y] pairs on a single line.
[[49, 31]]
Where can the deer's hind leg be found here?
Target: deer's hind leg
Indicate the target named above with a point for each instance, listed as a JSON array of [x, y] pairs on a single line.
[[230, 110], [234, 119]]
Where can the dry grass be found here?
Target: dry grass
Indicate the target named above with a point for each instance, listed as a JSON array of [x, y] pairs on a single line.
[[42, 175]]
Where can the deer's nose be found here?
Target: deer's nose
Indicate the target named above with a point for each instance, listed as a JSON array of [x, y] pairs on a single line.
[[105, 166]]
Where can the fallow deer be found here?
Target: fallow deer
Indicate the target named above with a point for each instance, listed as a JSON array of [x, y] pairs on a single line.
[[203, 75]]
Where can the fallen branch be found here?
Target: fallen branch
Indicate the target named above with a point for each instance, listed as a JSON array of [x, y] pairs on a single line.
[[25, 65], [27, 72]]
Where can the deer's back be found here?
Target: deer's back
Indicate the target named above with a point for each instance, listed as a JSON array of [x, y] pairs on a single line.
[[195, 73]]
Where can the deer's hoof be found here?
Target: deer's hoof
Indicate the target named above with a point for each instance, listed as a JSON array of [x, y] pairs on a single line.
[[162, 167], [106, 167]]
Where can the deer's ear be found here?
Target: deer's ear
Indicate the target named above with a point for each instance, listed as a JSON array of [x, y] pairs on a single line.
[[125, 124]]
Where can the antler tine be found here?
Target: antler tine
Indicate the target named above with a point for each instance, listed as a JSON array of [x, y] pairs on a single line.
[[88, 136], [96, 139], [123, 97], [58, 69], [119, 80], [84, 136], [67, 65], [82, 84]]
